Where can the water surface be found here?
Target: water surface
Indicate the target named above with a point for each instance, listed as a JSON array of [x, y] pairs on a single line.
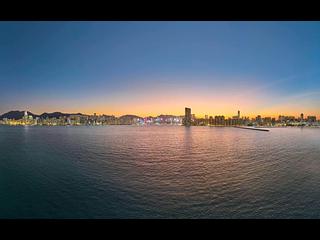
[[159, 172]]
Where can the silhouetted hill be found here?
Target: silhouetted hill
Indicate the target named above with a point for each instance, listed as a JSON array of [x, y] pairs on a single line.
[[128, 119], [57, 115], [166, 116], [129, 116], [16, 115], [19, 115]]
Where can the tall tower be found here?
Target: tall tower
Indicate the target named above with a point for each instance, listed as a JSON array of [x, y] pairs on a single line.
[[238, 114], [187, 117]]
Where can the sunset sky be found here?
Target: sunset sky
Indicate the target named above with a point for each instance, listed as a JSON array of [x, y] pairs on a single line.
[[152, 68]]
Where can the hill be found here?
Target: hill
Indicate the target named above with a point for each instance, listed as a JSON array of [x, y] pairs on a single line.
[[16, 115]]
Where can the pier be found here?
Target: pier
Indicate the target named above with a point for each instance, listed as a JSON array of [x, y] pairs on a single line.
[[253, 128]]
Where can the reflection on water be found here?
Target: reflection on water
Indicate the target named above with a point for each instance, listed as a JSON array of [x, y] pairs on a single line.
[[159, 172]]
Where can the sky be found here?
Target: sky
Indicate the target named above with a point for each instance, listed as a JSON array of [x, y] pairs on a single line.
[[152, 68]]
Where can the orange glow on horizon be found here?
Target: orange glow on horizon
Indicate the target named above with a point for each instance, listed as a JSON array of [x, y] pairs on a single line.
[[155, 99], [200, 108]]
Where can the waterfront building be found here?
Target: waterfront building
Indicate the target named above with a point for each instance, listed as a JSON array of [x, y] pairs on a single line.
[[311, 119], [267, 121], [206, 120], [259, 120], [219, 120], [187, 117], [211, 120]]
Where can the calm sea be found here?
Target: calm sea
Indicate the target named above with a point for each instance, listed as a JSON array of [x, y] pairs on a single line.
[[159, 172]]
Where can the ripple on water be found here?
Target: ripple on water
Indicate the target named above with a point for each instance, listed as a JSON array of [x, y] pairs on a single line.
[[159, 172]]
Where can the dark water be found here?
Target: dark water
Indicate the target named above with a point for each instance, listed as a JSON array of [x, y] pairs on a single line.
[[159, 172]]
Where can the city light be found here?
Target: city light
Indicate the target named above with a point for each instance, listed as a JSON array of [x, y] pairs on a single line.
[[189, 119]]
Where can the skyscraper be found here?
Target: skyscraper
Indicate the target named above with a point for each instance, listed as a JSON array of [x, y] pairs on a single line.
[[238, 114], [187, 117]]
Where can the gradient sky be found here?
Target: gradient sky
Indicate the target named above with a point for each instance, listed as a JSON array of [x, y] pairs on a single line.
[[151, 68]]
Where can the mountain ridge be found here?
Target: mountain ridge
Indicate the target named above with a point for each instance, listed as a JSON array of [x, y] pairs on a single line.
[[16, 115]]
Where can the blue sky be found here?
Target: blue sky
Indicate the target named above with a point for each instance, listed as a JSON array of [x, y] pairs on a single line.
[[160, 67]]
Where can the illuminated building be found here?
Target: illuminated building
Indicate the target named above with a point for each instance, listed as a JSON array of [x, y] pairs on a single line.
[[267, 121], [211, 120], [219, 120], [259, 120], [311, 119]]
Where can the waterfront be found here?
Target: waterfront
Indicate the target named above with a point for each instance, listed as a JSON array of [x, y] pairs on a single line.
[[159, 172]]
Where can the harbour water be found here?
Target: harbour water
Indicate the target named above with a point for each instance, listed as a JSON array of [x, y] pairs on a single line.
[[159, 172]]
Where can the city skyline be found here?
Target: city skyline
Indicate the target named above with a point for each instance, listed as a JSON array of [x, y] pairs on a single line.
[[203, 115], [153, 68], [189, 119]]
